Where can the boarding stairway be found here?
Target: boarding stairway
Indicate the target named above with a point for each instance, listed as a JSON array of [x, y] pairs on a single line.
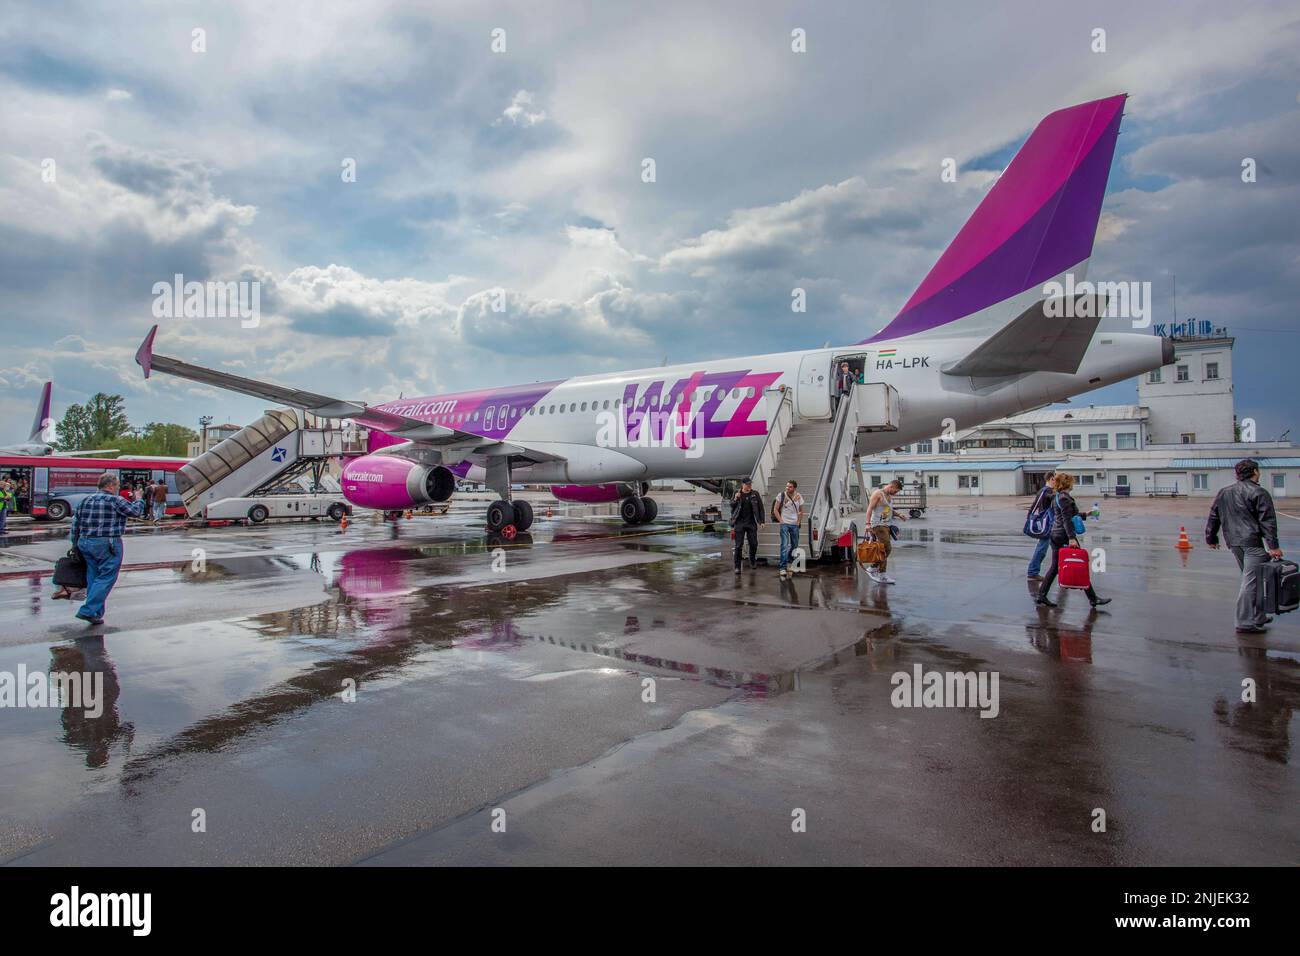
[[819, 454], [276, 451]]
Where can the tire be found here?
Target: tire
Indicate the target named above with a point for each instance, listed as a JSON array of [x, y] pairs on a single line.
[[258, 513], [651, 509], [499, 514], [523, 517], [336, 512], [57, 510], [914, 513], [631, 510]]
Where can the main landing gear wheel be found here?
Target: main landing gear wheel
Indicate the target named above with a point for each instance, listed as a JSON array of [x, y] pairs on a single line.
[[632, 510], [523, 515], [650, 509], [499, 514]]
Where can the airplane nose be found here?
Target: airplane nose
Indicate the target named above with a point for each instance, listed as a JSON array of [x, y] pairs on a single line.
[[1166, 350]]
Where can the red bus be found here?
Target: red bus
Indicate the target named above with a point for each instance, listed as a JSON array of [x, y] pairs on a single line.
[[50, 487]]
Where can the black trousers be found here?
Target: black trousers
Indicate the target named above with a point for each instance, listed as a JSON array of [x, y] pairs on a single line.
[[747, 532], [1050, 578]]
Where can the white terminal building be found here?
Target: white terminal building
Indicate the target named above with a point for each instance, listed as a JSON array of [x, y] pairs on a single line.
[[1181, 438]]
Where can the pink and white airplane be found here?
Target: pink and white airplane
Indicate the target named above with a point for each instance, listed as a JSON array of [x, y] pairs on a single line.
[[979, 339]]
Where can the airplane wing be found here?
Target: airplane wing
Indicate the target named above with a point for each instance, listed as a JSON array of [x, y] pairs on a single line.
[[367, 416], [1046, 337]]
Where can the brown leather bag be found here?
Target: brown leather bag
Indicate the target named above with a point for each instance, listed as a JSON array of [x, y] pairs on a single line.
[[870, 552]]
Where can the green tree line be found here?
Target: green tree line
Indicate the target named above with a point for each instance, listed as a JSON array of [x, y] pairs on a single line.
[[102, 423]]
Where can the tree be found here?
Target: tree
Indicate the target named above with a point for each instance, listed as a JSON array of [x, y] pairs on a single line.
[[159, 438], [102, 423], [107, 414], [74, 431]]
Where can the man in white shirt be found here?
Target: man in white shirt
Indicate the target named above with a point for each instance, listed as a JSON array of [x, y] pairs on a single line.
[[787, 511]]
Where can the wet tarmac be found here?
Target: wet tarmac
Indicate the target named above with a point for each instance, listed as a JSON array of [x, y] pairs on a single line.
[[411, 693]]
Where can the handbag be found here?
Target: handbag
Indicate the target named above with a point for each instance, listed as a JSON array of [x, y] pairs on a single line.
[[870, 552], [70, 570], [1038, 524]]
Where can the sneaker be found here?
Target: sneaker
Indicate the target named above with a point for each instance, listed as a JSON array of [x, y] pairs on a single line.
[[90, 620], [886, 579], [1251, 630], [781, 574], [737, 569], [875, 575]]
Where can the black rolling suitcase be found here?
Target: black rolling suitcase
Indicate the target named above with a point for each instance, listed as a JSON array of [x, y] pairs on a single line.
[[1279, 586]]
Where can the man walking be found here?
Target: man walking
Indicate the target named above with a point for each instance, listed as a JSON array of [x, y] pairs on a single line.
[[787, 511], [97, 533], [1245, 513], [158, 493], [1040, 512], [746, 515], [880, 514]]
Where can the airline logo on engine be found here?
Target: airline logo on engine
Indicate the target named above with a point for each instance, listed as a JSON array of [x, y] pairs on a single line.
[[364, 476]]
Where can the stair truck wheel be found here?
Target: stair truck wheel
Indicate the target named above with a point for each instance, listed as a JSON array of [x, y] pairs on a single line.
[[650, 508], [336, 511], [632, 511], [523, 515], [499, 514], [258, 513]]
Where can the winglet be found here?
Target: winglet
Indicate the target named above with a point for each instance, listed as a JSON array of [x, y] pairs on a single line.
[[144, 354]]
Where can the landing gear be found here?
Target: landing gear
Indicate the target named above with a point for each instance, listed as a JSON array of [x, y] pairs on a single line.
[[499, 514], [523, 515], [636, 510]]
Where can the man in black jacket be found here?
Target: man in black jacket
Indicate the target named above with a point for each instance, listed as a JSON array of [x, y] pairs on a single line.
[[746, 515], [1245, 512]]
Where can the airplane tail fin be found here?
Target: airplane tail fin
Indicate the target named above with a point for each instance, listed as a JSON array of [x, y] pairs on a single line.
[[42, 415], [1036, 223]]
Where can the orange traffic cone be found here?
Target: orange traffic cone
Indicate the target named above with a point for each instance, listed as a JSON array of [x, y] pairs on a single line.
[[343, 525], [548, 512], [1183, 544]]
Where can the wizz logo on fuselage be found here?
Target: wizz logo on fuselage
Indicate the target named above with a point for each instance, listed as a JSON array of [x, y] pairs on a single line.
[[676, 408]]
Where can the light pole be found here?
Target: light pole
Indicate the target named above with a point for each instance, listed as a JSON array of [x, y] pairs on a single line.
[[204, 422]]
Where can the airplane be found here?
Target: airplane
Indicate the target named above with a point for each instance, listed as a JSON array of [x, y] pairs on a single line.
[[979, 339], [36, 445]]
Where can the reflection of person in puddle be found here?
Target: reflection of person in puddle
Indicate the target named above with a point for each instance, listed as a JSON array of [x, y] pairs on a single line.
[[1064, 643], [94, 735], [1259, 715]]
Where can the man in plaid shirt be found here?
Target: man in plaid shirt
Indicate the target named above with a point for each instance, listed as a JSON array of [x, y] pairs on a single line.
[[97, 530]]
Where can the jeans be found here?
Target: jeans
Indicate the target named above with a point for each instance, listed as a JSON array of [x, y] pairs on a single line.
[[4, 516], [1036, 562], [789, 541], [1249, 613], [159, 509], [103, 560], [748, 532]]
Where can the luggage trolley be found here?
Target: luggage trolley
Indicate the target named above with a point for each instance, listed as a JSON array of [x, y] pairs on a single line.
[[912, 498]]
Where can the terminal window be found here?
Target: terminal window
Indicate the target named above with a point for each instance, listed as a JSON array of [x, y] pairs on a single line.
[[1047, 443], [1126, 440], [1154, 377], [1098, 442], [1279, 482], [932, 481], [1201, 482], [1183, 375], [1211, 370], [1071, 442]]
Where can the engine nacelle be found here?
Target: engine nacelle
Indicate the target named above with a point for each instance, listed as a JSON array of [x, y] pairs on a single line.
[[389, 483]]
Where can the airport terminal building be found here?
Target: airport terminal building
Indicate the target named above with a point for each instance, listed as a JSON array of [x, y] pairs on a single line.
[[1180, 438]]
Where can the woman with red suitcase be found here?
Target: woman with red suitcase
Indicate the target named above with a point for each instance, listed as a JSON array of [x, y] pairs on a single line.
[[1065, 539]]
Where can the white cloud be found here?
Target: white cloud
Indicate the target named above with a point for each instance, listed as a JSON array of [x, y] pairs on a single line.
[[520, 112]]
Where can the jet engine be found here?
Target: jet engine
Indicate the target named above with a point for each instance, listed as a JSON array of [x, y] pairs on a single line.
[[389, 483]]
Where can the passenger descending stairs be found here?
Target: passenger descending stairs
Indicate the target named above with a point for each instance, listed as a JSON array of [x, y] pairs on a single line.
[[800, 458]]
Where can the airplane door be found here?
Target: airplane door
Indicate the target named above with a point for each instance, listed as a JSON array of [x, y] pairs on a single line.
[[814, 388]]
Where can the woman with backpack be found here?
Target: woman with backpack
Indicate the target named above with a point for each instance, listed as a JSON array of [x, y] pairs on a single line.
[[1067, 525]]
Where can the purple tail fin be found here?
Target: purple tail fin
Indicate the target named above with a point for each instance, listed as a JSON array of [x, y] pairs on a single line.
[[42, 414], [1037, 221]]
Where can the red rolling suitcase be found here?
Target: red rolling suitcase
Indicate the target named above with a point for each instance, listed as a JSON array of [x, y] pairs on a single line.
[[1073, 572]]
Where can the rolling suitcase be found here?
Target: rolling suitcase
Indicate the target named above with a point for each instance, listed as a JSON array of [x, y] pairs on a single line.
[[1279, 586], [1074, 569]]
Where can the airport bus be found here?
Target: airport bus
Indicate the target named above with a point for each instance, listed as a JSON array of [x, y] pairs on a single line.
[[50, 487]]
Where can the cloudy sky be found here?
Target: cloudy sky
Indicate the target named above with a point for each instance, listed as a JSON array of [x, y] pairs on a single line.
[[521, 170]]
